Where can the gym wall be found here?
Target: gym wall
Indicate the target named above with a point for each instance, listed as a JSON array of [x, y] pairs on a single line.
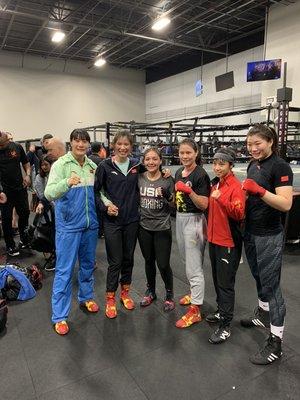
[[41, 97], [175, 97], [283, 42]]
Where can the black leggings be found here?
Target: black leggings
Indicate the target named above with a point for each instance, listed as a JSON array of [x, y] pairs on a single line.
[[224, 263], [156, 247], [120, 241]]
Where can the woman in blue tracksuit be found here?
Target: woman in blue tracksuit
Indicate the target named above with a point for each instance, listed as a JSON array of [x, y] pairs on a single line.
[[70, 185], [117, 179]]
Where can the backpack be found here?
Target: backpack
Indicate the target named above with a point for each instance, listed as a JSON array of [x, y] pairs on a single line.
[[3, 313], [42, 234]]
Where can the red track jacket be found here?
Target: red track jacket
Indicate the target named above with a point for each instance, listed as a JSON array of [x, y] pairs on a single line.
[[231, 204]]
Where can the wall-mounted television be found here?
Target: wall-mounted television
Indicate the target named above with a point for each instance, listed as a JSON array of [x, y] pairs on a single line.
[[224, 81], [263, 70]]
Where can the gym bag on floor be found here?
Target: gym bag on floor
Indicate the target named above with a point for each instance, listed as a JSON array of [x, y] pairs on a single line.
[[3, 313]]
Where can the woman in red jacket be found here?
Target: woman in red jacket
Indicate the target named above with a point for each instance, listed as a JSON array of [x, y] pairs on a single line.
[[226, 211]]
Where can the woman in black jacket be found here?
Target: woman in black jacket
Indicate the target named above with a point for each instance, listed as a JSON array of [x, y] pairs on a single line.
[[117, 179]]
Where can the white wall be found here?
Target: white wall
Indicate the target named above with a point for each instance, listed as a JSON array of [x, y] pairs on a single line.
[[283, 41], [41, 97], [175, 97]]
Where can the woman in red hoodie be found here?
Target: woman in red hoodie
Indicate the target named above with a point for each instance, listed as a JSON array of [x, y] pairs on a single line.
[[226, 211]]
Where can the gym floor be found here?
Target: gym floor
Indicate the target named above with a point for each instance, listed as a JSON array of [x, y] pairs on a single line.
[[141, 354]]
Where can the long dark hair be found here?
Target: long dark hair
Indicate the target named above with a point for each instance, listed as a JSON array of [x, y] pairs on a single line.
[[47, 159], [266, 133], [191, 142]]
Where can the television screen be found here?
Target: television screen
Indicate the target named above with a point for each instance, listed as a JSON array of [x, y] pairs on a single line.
[[263, 70], [224, 81]]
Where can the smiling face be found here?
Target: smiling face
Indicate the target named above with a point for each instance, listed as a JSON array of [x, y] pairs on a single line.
[[79, 147], [221, 168], [258, 147], [152, 161], [187, 155], [122, 148]]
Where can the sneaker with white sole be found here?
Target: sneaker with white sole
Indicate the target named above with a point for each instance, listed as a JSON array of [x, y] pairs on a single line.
[[220, 335], [270, 351], [260, 318]]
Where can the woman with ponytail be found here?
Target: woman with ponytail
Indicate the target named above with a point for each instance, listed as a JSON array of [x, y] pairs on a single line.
[[269, 186]]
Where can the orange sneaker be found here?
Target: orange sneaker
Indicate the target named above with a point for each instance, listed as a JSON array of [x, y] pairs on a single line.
[[90, 305], [185, 300], [61, 328], [110, 309], [125, 299], [191, 317]]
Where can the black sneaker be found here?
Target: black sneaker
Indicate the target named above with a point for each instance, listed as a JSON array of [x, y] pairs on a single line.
[[220, 335], [13, 251], [270, 352], [148, 298], [213, 317], [260, 318]]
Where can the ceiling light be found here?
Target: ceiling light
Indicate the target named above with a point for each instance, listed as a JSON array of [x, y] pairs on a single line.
[[58, 36], [161, 23], [99, 62]]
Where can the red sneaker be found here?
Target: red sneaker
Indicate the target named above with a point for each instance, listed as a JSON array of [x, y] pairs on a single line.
[[185, 300], [125, 299], [110, 309], [61, 328], [90, 305], [191, 317], [148, 298]]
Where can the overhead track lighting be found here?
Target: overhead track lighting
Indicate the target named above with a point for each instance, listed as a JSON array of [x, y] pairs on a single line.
[[58, 36], [99, 62], [161, 23]]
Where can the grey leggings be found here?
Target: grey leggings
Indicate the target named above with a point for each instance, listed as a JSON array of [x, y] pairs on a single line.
[[264, 255], [191, 234]]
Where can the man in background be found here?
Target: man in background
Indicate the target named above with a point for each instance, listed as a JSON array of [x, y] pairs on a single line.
[[12, 156]]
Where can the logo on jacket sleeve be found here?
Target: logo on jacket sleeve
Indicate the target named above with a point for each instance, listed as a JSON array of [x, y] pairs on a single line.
[[13, 154], [284, 178]]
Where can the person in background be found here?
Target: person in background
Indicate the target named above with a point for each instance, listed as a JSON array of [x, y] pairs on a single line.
[[33, 160], [192, 187], [155, 234], [10, 136], [41, 151], [41, 179], [3, 198], [102, 152], [95, 156], [226, 212], [269, 185], [71, 186], [12, 156], [55, 148]]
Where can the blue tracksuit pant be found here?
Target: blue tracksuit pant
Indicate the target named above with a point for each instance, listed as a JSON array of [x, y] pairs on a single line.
[[71, 246]]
